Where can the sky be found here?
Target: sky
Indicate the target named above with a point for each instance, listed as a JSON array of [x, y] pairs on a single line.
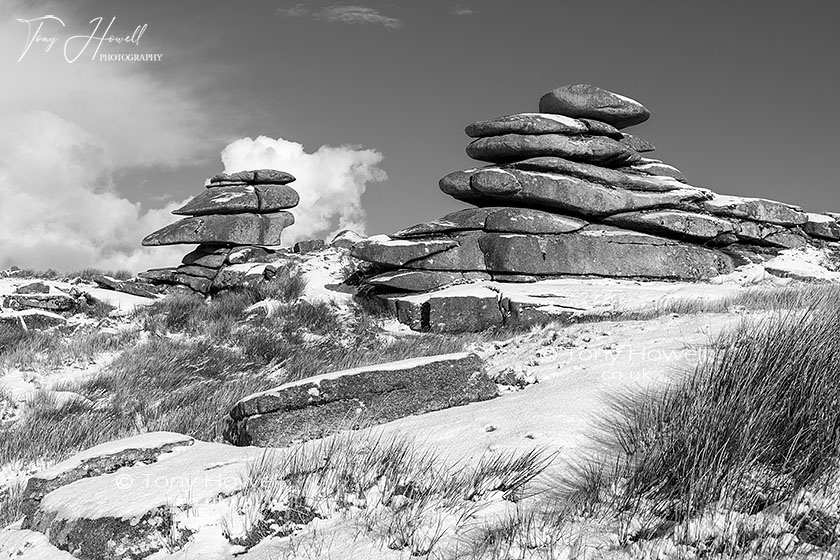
[[366, 101]]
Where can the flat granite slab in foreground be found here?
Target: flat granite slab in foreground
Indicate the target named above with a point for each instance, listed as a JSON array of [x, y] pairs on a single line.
[[319, 406]]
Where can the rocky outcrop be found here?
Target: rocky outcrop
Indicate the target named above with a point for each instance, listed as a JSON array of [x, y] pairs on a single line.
[[240, 218], [569, 194], [318, 406]]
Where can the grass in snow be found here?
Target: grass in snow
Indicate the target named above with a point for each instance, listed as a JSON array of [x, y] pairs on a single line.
[[754, 427]]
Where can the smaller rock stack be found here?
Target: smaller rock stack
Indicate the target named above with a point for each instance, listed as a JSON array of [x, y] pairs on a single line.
[[234, 221]]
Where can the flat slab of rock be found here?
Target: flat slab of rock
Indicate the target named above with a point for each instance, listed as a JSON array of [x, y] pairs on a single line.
[[500, 219], [32, 319], [601, 175], [318, 406], [98, 460], [674, 223], [135, 287], [382, 249], [211, 256], [637, 144], [510, 148], [527, 123], [592, 102], [592, 251], [140, 507], [822, 225], [255, 176], [657, 168], [421, 280], [559, 193], [235, 229], [47, 302], [259, 199], [756, 209]]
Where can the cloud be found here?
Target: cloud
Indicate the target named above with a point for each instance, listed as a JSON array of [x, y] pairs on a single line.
[[67, 131], [330, 181], [461, 10], [60, 209], [299, 10], [357, 15], [337, 13]]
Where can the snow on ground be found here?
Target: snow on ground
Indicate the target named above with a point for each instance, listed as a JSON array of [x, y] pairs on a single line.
[[322, 269], [577, 368], [808, 263]]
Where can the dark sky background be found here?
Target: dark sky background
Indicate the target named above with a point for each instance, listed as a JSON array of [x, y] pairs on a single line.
[[743, 95]]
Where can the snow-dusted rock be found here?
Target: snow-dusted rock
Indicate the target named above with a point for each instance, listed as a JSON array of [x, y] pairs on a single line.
[[527, 123], [592, 102], [317, 406], [237, 229], [601, 175], [345, 239], [657, 169], [20, 544], [98, 460], [258, 199], [48, 302], [32, 319], [382, 249], [756, 209], [822, 225], [554, 192]]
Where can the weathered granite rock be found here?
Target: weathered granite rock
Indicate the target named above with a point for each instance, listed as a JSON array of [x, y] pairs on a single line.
[[822, 225], [499, 219], [47, 302], [756, 209], [599, 128], [674, 223], [527, 123], [244, 255], [197, 271], [318, 406], [636, 143], [32, 319], [463, 313], [421, 280], [601, 175], [309, 246], [163, 275], [510, 148], [256, 176], [33, 288], [382, 249], [98, 460], [345, 239], [235, 229], [592, 251], [554, 192], [211, 256], [592, 102], [259, 199], [135, 287], [657, 168]]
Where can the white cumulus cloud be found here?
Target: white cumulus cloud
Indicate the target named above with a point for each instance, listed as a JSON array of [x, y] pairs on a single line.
[[59, 207], [330, 181]]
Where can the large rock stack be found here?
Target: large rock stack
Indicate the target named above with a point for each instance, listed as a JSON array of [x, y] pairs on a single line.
[[568, 193], [234, 221]]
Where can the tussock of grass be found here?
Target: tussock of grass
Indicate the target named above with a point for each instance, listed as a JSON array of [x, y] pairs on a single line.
[[11, 500], [44, 350], [398, 492], [752, 427]]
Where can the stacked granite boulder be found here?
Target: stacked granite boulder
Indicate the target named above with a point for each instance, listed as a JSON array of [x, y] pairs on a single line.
[[236, 220], [569, 193]]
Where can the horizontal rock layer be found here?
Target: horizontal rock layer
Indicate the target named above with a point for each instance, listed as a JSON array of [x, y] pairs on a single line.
[[509, 148], [234, 229], [257, 176], [259, 199]]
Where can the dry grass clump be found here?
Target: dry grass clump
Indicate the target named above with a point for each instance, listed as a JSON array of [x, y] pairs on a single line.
[[397, 493], [749, 431]]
